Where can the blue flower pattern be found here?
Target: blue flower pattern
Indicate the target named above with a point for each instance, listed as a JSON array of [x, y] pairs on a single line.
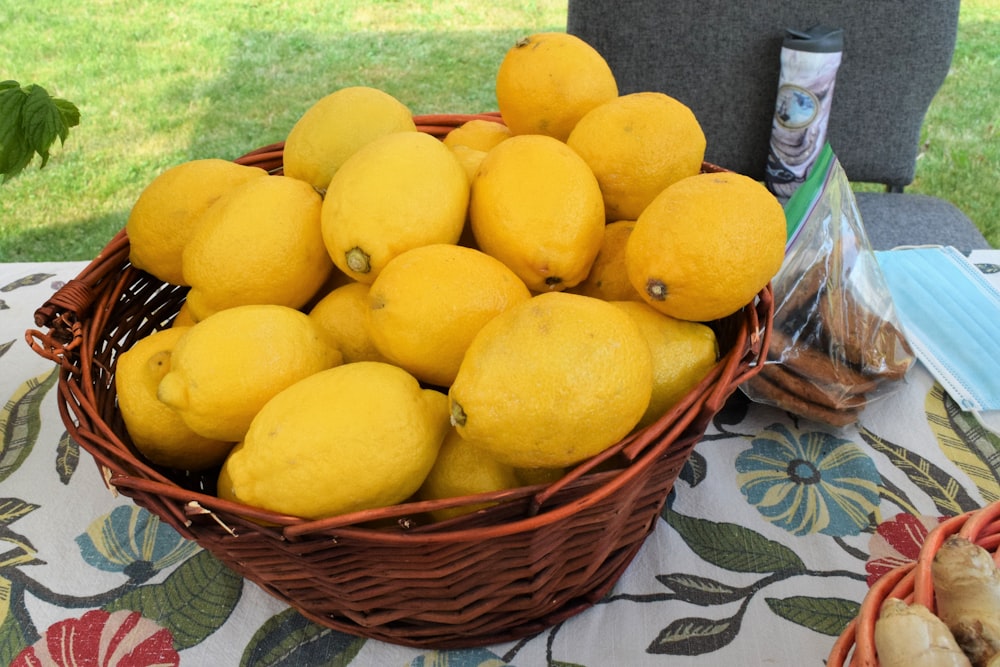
[[810, 482], [131, 540]]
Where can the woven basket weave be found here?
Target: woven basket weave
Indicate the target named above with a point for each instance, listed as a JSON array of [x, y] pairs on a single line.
[[539, 555], [912, 583]]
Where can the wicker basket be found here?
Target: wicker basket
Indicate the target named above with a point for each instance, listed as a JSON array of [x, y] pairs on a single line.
[[912, 583], [539, 555]]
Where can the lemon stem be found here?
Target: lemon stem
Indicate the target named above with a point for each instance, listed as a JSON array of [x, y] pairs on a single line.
[[656, 289], [458, 417], [358, 260]]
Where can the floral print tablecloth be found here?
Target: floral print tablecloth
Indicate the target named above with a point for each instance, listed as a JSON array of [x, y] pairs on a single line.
[[775, 530]]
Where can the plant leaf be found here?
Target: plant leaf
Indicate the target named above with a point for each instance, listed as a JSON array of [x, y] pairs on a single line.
[[4, 346], [974, 449], [947, 494], [70, 115], [290, 639], [30, 122], [20, 422], [734, 547], [15, 153], [700, 590], [695, 636], [828, 616], [42, 122], [193, 602]]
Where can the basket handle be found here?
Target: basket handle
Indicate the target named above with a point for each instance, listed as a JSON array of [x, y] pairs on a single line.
[[62, 312]]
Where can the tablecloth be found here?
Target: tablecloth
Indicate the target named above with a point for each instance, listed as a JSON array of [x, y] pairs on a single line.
[[765, 549]]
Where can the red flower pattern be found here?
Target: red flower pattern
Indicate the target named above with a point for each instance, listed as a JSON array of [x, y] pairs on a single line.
[[117, 639], [897, 542]]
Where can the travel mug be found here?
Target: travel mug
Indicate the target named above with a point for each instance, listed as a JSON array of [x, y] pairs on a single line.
[[809, 63]]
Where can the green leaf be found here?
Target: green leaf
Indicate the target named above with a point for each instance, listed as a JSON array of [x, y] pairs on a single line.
[[5, 346], [290, 639], [15, 153], [828, 616], [947, 494], [20, 422], [734, 547], [43, 123], [695, 636], [193, 602], [700, 590], [30, 122], [70, 114]]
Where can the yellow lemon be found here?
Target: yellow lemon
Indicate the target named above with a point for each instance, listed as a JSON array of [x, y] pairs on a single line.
[[706, 246], [547, 81], [157, 430], [398, 192], [469, 158], [354, 437], [477, 133], [462, 469], [167, 211], [552, 381], [608, 278], [336, 126], [343, 315], [532, 476], [428, 304], [228, 365], [184, 318], [536, 206], [683, 353], [260, 244], [637, 145]]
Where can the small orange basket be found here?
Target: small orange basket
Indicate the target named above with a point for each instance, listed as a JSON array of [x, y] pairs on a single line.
[[855, 647]]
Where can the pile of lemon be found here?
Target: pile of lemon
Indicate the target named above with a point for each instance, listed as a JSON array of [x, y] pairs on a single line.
[[399, 317]]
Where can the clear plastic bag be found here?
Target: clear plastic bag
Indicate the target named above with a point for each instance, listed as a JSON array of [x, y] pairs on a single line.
[[837, 343]]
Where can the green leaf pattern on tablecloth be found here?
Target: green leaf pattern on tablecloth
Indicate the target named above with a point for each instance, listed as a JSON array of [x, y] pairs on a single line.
[[19, 421], [975, 450], [824, 615], [67, 457], [289, 639], [187, 591], [192, 602], [734, 547]]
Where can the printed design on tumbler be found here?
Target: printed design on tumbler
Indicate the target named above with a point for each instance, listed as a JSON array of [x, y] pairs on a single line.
[[809, 63]]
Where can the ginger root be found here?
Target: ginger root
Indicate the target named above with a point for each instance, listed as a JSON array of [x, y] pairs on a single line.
[[967, 596], [909, 635]]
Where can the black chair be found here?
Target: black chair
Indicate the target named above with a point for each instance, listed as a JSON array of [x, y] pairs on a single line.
[[722, 59]]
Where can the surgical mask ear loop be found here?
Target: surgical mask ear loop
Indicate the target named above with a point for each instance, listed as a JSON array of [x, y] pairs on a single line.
[[809, 63]]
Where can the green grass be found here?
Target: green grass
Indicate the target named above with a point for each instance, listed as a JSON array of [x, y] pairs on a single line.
[[161, 83]]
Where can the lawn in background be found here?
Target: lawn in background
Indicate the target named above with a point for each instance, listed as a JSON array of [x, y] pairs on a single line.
[[159, 84]]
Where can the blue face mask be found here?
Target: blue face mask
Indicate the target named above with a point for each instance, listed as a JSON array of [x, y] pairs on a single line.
[[951, 316]]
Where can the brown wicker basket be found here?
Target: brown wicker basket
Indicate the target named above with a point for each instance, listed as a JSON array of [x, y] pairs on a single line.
[[539, 555], [911, 582]]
